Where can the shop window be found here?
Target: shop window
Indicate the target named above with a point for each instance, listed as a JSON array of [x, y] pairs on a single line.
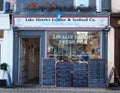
[[88, 4], [1, 34], [72, 45], [83, 3]]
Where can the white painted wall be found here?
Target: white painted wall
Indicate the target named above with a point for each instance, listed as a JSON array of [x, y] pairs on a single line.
[[115, 5], [7, 50], [111, 45], [7, 43]]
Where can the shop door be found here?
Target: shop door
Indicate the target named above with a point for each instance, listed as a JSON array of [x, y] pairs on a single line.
[[29, 59], [117, 53]]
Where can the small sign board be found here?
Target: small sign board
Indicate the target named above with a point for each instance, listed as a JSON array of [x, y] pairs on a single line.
[[63, 74], [97, 73], [113, 70], [80, 74], [49, 71], [110, 75]]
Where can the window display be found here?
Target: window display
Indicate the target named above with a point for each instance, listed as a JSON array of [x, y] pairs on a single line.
[[1, 33], [73, 46]]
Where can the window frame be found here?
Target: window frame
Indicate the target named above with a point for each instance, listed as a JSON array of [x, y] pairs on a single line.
[[0, 51], [76, 2], [98, 4]]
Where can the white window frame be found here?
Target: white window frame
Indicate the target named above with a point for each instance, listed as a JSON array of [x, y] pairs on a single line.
[[1, 46], [83, 2], [4, 2], [0, 51], [98, 4]]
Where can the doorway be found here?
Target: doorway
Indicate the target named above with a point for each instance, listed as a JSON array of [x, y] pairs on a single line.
[[117, 54], [29, 60]]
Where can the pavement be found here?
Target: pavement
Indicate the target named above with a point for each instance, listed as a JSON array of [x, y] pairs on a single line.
[[40, 89]]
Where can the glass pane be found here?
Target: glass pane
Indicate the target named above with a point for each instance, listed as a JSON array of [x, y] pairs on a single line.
[[1, 5], [92, 3], [1, 34], [82, 3], [72, 45], [85, 4]]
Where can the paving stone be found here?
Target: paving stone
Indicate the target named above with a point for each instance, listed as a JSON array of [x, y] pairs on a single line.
[[59, 90]]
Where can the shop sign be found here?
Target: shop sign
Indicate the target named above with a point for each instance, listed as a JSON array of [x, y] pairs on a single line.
[[71, 39], [47, 22]]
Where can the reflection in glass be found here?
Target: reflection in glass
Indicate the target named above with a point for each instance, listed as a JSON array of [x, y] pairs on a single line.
[[71, 45], [1, 33]]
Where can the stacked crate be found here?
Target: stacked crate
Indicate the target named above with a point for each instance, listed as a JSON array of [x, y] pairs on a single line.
[[63, 74], [80, 75]]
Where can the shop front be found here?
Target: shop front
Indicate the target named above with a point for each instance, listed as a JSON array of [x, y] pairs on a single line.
[[72, 50]]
